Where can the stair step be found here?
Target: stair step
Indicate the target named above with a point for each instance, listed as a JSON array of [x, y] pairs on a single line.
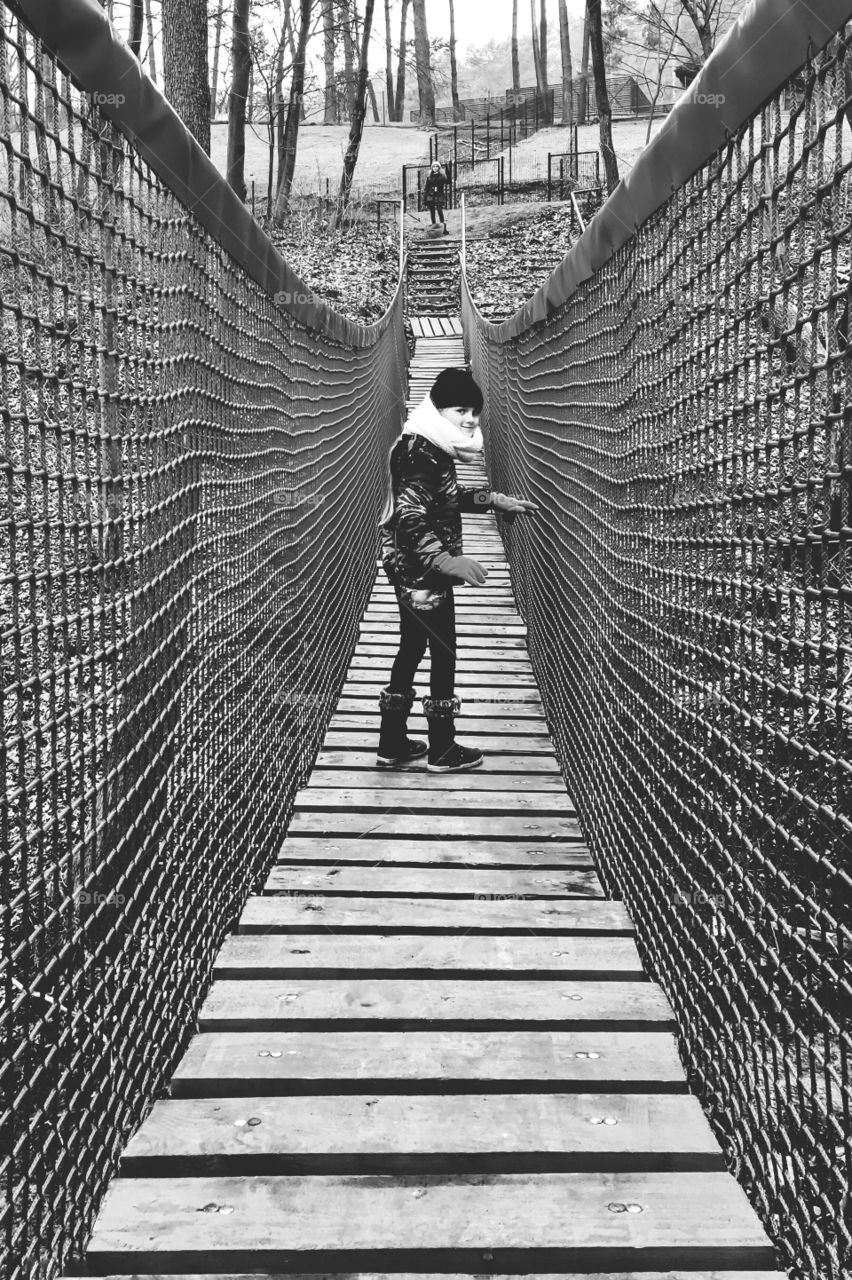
[[324, 955], [562, 916], [280, 1063], [432, 883], [587, 1221], [433, 1133], [418, 1004]]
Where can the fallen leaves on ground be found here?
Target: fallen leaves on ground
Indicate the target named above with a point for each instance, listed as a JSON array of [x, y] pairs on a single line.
[[507, 266], [353, 269]]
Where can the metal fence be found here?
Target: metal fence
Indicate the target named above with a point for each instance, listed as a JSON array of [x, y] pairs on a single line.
[[677, 400], [191, 477], [510, 176]]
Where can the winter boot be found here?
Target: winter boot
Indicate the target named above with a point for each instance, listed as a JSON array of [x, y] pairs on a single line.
[[395, 747], [446, 229], [445, 754]]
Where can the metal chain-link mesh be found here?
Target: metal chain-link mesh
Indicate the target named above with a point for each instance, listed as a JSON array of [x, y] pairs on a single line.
[[684, 421], [191, 481]]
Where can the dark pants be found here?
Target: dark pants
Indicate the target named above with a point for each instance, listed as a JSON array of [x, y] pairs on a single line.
[[435, 628], [436, 208]]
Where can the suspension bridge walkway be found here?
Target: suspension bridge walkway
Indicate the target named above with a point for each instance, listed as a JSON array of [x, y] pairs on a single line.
[[430, 1043], [266, 1009]]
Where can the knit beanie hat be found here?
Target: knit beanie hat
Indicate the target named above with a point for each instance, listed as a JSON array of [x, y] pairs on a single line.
[[456, 387]]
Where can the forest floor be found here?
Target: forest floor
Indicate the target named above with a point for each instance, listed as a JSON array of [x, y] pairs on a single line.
[[512, 250], [354, 269]]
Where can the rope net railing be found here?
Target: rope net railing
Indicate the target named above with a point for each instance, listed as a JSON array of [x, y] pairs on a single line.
[[680, 409], [191, 478]]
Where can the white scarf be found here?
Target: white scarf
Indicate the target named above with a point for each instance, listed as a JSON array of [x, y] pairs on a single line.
[[425, 420]]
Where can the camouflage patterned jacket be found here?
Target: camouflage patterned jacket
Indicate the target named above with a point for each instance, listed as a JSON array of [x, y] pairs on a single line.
[[426, 520]]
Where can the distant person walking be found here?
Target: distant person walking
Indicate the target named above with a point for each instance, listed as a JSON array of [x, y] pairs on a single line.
[[433, 194]]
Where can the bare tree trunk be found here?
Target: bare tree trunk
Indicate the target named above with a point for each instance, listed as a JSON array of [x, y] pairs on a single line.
[[152, 57], [291, 40], [250, 94], [699, 11], [278, 98], [536, 52], [584, 73], [137, 19], [359, 110], [328, 37], [388, 59], [567, 66], [348, 56], [542, 49], [454, 74], [217, 44], [399, 104], [238, 98], [516, 62], [593, 9], [374, 106], [185, 65], [425, 87], [291, 128]]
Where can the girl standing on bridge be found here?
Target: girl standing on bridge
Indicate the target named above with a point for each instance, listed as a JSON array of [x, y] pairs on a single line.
[[433, 193], [422, 557]]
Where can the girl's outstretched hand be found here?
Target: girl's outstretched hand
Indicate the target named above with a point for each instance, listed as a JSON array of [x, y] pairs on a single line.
[[512, 506]]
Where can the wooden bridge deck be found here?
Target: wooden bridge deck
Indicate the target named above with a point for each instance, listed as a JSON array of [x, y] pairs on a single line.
[[430, 1044]]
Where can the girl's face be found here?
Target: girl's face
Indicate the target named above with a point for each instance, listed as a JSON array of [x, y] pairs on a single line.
[[466, 418]]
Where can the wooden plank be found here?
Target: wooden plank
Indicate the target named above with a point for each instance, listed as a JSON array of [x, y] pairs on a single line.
[[500, 750], [501, 607], [274, 1004], [348, 1222], [327, 956], [373, 632], [585, 916], [495, 592], [484, 690], [492, 598], [435, 1133], [512, 730], [416, 326], [412, 882], [441, 826], [500, 600], [428, 799], [497, 586], [412, 1275], [464, 627], [505, 659], [527, 714], [498, 768], [413, 776], [521, 855], [503, 616], [499, 575], [376, 675], [229, 1063]]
